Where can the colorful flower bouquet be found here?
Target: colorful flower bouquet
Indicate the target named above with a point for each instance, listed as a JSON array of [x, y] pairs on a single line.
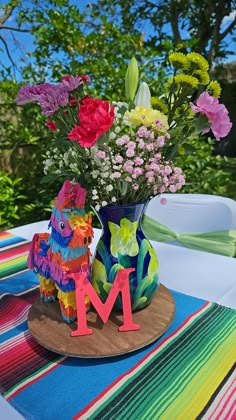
[[122, 152]]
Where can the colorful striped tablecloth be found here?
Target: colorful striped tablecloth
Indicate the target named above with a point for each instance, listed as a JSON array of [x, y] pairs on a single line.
[[187, 374]]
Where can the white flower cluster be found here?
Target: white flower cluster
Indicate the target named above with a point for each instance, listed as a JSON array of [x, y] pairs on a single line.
[[62, 162]]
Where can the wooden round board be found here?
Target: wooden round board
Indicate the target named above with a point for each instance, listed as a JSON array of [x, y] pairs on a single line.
[[49, 330]]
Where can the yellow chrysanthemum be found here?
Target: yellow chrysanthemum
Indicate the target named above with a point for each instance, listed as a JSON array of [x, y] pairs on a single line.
[[148, 117], [214, 88], [178, 60], [202, 76], [157, 103], [197, 61], [186, 79]]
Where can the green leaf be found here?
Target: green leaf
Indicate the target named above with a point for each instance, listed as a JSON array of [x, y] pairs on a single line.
[[113, 272], [107, 287], [140, 303], [99, 274], [147, 281], [144, 249]]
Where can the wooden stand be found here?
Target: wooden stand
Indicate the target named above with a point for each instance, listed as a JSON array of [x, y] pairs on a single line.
[[49, 330]]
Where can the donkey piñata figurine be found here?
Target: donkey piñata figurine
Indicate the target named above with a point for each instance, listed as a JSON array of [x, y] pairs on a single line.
[[65, 251]]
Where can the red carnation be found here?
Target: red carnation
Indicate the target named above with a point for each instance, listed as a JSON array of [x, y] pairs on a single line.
[[96, 117]]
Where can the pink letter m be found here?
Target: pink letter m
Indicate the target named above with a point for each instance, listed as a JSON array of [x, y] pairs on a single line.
[[83, 287]]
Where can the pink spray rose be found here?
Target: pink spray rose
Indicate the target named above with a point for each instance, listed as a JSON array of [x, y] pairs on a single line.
[[216, 113]]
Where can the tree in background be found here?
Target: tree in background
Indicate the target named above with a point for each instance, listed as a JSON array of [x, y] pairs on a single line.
[[97, 40]]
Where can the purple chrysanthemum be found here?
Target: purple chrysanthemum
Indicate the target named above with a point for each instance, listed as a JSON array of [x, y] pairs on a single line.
[[52, 99], [29, 94], [70, 83]]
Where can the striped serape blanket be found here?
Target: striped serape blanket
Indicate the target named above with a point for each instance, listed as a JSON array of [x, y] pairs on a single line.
[[188, 373]]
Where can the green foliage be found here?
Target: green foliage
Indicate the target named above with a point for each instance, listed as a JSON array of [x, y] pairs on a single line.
[[207, 173], [10, 199]]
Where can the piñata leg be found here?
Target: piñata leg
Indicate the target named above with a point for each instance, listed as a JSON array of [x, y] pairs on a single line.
[[48, 291], [67, 301]]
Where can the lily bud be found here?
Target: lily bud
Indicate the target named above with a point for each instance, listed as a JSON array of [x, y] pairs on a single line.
[[143, 97], [131, 79]]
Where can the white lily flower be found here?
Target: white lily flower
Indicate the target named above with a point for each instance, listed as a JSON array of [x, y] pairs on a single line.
[[143, 97]]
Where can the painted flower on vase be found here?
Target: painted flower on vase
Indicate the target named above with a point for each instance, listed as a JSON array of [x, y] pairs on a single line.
[[123, 238]]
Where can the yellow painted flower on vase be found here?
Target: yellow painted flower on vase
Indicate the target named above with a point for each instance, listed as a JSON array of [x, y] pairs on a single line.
[[123, 238], [148, 117]]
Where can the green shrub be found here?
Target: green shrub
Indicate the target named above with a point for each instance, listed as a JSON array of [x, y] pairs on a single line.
[[10, 200], [207, 173]]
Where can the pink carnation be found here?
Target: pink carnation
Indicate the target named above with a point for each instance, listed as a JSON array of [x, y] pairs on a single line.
[[216, 113]]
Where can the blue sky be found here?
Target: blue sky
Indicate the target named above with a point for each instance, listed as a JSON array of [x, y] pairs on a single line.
[[23, 42]]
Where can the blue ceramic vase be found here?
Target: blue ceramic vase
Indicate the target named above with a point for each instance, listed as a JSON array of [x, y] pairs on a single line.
[[124, 245]]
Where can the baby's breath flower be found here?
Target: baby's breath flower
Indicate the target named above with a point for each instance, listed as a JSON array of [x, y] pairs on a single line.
[[104, 174], [186, 79], [112, 136], [196, 61], [48, 162], [178, 60], [95, 174], [109, 188], [214, 88]]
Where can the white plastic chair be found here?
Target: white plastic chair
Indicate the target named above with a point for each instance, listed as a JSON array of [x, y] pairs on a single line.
[[194, 213]]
